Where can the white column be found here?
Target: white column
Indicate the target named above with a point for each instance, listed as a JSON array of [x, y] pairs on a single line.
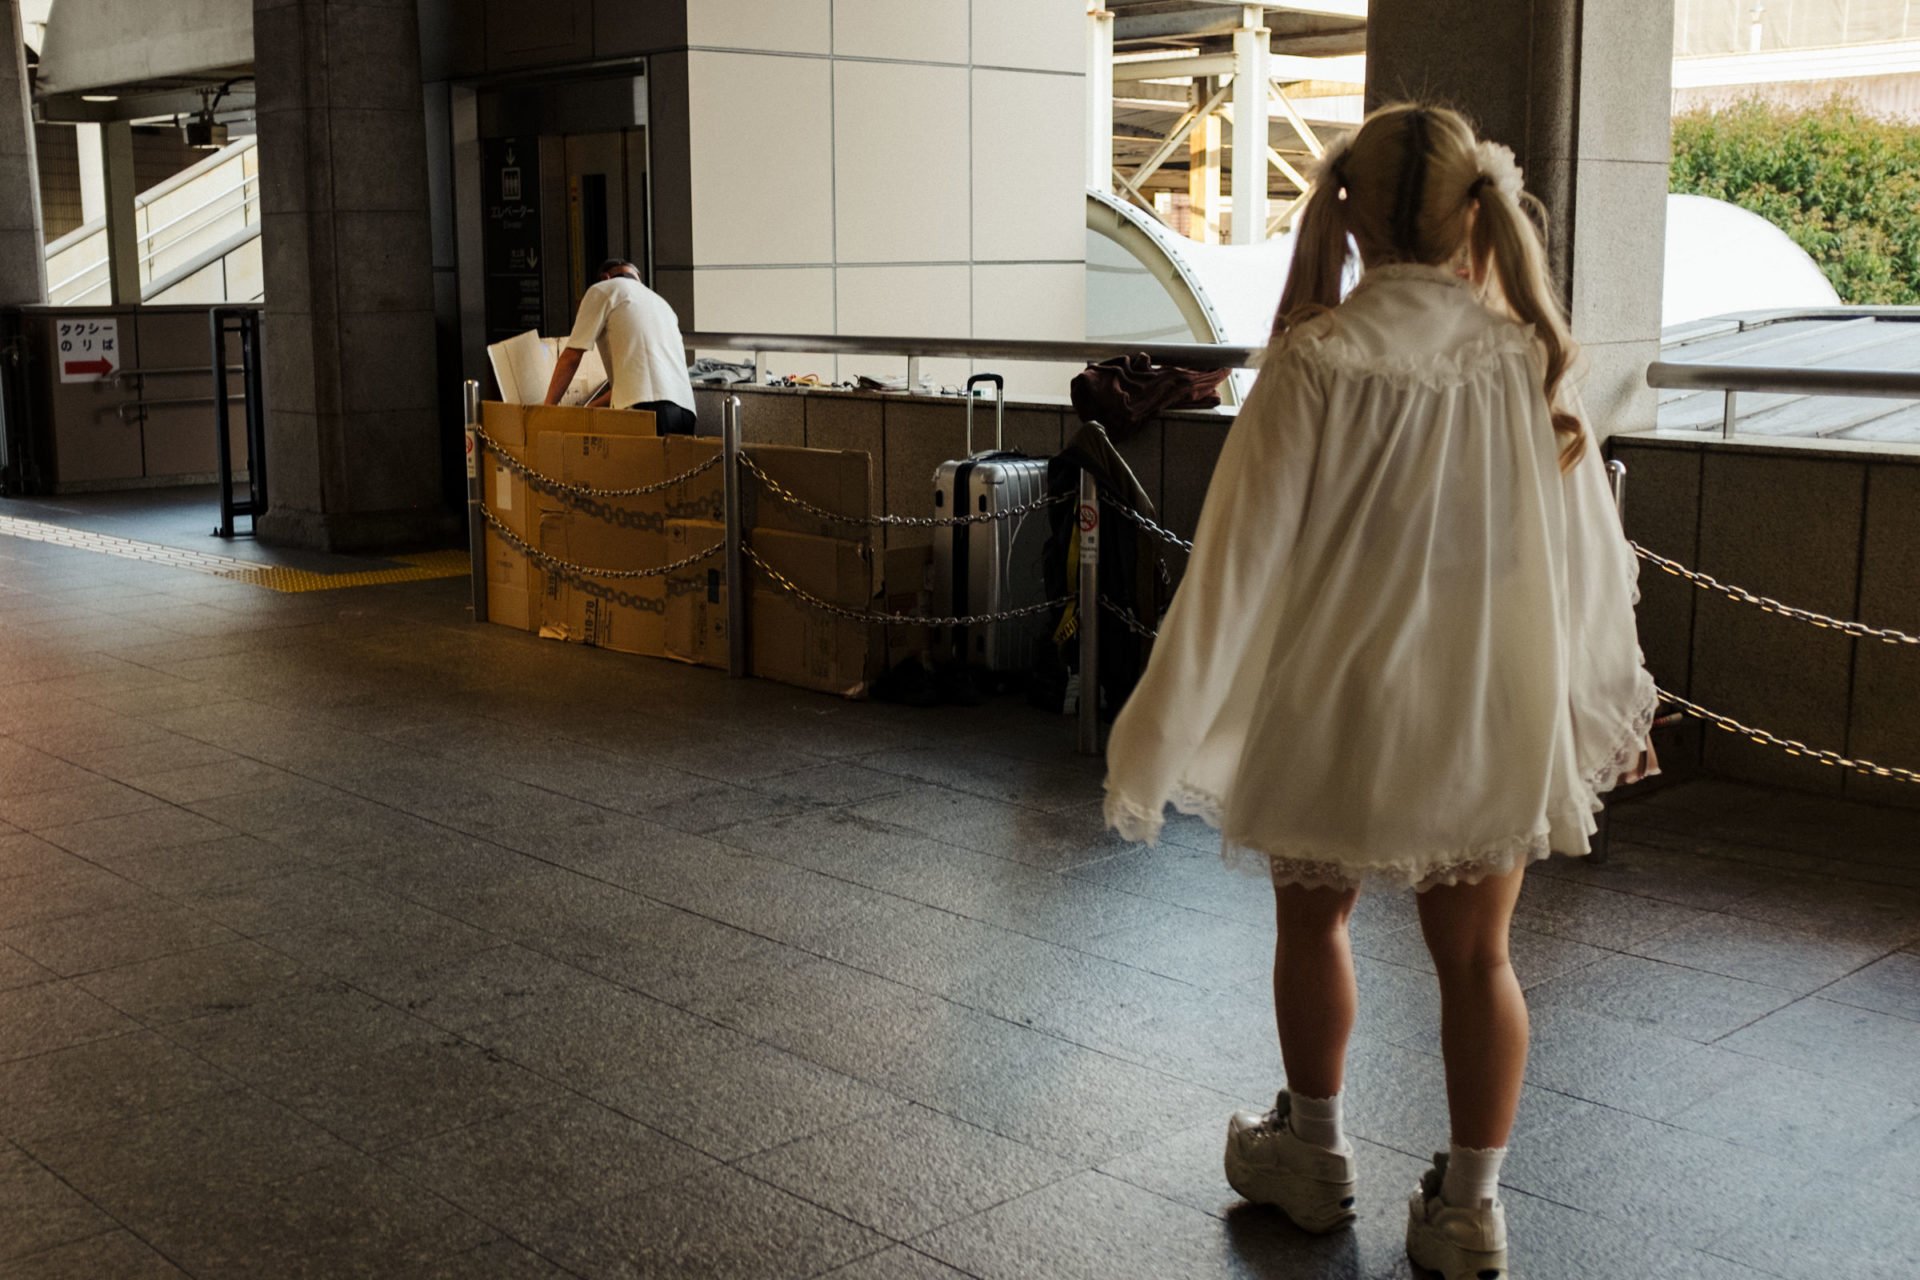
[[1099, 98], [1250, 54], [93, 172], [123, 231]]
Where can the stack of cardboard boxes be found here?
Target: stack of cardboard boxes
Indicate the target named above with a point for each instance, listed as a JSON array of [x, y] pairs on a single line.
[[683, 615]]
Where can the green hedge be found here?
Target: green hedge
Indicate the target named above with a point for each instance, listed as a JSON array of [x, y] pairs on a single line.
[[1844, 185]]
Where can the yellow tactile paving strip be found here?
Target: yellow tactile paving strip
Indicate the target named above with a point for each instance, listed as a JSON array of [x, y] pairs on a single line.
[[431, 564]]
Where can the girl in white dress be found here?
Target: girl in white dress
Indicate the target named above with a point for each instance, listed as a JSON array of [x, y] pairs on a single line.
[[1404, 649]]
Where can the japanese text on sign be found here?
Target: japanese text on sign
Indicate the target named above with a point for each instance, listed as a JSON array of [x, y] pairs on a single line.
[[88, 350]]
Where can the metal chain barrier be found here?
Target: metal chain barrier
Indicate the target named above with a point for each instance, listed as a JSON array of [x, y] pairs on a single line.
[[1789, 745], [1148, 523], [563, 488], [793, 499], [1127, 619], [805, 597], [578, 571], [1707, 582]]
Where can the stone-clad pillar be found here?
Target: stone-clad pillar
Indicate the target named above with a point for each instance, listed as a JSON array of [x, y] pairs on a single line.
[[1582, 93], [23, 261], [353, 444]]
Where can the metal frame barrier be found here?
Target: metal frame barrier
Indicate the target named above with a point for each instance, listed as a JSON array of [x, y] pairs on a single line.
[[1732, 379], [739, 651], [245, 321], [476, 499]]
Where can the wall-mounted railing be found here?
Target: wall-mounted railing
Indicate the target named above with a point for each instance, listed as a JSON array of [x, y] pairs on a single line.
[[1732, 379]]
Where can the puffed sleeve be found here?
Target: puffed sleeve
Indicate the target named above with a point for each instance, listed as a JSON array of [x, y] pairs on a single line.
[[1248, 525]]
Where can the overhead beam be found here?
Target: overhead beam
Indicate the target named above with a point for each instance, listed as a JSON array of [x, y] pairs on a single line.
[[1181, 129]]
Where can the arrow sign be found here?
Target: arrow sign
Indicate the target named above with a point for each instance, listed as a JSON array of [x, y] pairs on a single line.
[[96, 368]]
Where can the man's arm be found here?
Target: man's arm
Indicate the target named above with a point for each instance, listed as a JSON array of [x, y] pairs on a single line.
[[563, 370]]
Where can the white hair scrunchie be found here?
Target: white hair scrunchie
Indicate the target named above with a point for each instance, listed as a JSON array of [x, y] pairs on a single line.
[[1326, 171], [1498, 166]]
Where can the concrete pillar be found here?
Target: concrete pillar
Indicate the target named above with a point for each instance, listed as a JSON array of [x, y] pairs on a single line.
[[1100, 99], [1582, 93], [91, 148], [23, 259], [353, 443], [118, 184]]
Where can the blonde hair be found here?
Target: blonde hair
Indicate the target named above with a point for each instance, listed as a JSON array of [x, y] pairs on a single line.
[[1416, 185]]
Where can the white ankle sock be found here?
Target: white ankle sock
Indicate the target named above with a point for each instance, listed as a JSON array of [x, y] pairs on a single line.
[[1317, 1120], [1472, 1180]]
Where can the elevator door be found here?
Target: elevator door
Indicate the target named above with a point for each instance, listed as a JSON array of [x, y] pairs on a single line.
[[606, 205]]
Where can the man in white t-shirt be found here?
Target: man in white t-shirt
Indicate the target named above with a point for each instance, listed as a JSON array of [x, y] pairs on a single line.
[[639, 339]]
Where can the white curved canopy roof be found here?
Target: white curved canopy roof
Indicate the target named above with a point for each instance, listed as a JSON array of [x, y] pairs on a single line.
[[1722, 259]]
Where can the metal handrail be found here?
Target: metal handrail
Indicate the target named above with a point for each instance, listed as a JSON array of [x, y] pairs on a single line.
[[1732, 379], [1192, 355], [241, 186], [1886, 384]]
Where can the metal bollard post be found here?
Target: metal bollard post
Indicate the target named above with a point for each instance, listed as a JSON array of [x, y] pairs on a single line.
[[1089, 518], [476, 502], [739, 664], [1617, 479], [1728, 414]]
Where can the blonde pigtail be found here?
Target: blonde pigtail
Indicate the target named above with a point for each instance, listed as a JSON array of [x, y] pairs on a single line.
[[1508, 252], [1320, 248]]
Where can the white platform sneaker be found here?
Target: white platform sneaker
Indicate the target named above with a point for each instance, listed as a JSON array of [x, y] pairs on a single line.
[[1268, 1164], [1458, 1244]]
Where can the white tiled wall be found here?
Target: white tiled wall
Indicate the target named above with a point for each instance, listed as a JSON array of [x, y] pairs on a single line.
[[779, 26], [1043, 35], [1030, 126], [922, 30], [933, 302], [900, 162], [762, 156], [923, 180]]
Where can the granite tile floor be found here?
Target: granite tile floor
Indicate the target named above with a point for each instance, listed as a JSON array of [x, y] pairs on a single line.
[[341, 937]]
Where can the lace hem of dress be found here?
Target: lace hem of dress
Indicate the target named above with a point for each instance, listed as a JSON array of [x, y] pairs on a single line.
[[1605, 776], [1470, 866]]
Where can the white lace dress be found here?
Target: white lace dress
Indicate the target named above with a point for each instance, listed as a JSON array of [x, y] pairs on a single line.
[[1404, 648]]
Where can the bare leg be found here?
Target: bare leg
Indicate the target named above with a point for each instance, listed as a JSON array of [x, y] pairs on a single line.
[[1483, 1016], [1313, 988]]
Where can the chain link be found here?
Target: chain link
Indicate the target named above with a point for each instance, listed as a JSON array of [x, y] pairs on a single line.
[[1127, 619], [1147, 522], [565, 488], [1707, 582], [571, 569], [793, 499], [800, 593], [1790, 745]]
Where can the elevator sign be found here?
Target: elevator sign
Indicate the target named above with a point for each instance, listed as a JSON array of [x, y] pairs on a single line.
[[89, 350]]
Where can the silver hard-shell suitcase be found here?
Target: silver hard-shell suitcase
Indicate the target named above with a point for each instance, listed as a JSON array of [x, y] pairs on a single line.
[[992, 565]]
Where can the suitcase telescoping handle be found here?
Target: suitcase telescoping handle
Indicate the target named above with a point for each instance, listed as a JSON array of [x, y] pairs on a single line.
[[999, 409]]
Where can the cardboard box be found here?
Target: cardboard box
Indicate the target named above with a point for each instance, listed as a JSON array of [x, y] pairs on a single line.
[[697, 595], [605, 462], [513, 586], [790, 641], [703, 497], [906, 590], [801, 646], [627, 615]]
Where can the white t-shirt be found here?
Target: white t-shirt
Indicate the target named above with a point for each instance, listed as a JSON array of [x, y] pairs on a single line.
[[639, 339], [1404, 649]]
